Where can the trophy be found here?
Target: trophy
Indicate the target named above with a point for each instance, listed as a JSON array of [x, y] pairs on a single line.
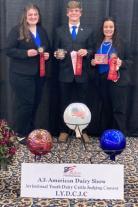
[[60, 54], [42, 62]]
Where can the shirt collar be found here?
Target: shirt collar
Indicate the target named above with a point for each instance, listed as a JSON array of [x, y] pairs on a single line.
[[77, 25]]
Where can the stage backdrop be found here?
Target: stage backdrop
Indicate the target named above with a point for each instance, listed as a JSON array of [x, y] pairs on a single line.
[[53, 15]]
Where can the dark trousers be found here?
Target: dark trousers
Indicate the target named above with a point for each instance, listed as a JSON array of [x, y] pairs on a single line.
[[28, 92], [71, 93], [114, 103]]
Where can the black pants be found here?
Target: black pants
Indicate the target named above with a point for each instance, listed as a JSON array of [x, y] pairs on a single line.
[[28, 92], [71, 93], [114, 103]]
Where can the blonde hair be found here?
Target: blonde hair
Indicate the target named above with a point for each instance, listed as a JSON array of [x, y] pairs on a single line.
[[23, 26], [74, 4]]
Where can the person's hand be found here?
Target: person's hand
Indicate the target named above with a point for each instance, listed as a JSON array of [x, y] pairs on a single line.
[[119, 63], [46, 55], [93, 62], [32, 52], [82, 52]]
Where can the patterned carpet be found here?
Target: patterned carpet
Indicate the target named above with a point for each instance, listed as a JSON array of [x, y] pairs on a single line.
[[10, 180]]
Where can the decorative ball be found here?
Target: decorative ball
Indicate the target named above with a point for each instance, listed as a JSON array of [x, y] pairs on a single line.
[[77, 115], [39, 142], [113, 142]]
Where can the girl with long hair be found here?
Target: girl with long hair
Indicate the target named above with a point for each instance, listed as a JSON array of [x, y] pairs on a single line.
[[28, 49], [110, 54]]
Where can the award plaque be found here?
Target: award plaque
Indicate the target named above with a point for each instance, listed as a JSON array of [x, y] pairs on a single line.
[[101, 59]]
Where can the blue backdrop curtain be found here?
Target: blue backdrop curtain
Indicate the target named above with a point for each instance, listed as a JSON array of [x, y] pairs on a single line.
[[53, 15]]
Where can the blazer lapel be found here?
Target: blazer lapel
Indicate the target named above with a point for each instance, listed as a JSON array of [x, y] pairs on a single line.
[[67, 33], [80, 32], [32, 43]]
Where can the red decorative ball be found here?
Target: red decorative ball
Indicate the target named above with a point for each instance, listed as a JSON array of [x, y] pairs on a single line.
[[39, 142]]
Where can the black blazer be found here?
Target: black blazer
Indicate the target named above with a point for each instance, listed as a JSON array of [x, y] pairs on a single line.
[[17, 50], [63, 40], [124, 54]]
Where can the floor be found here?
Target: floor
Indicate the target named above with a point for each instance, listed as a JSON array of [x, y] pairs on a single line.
[[76, 153]]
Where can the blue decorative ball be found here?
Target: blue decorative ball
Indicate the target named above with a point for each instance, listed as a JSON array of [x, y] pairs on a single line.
[[112, 142]]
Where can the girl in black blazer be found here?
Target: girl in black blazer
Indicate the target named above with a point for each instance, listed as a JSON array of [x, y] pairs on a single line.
[[25, 43], [113, 93]]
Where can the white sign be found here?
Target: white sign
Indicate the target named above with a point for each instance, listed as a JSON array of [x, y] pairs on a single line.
[[87, 181]]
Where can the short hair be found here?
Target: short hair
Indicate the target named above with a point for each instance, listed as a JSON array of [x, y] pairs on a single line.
[[74, 4]]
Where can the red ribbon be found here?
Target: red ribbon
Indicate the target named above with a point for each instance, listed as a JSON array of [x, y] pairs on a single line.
[[78, 65], [42, 65], [113, 74]]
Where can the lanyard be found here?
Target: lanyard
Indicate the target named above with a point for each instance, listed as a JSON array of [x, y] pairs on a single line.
[[36, 39], [103, 44]]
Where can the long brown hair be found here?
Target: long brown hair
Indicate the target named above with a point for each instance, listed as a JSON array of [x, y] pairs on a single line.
[[23, 26], [116, 37]]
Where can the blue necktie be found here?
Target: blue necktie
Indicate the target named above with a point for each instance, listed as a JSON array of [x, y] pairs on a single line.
[[74, 34]]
